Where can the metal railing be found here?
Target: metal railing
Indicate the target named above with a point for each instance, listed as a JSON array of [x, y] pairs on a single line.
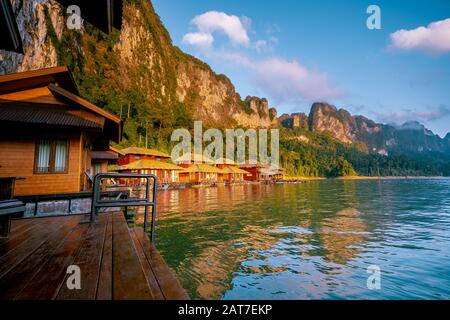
[[150, 180]]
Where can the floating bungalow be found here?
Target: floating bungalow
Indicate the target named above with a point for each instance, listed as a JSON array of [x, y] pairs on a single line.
[[166, 172], [254, 170], [272, 173], [201, 173], [231, 171], [50, 137], [187, 160], [132, 154], [148, 161], [198, 169]]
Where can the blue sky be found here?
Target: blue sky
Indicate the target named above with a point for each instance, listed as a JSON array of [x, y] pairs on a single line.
[[297, 52]]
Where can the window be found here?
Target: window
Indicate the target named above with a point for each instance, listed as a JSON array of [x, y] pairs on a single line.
[[51, 156]]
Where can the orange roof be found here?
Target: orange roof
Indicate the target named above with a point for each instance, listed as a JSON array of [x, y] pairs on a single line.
[[202, 168], [148, 165], [145, 151], [192, 158]]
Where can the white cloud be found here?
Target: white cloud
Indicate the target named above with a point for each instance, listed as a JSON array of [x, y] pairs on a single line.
[[290, 80], [410, 115], [434, 38], [207, 24], [204, 40], [285, 81]]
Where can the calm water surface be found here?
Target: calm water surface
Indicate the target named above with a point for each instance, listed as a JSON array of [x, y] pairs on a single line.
[[309, 241]]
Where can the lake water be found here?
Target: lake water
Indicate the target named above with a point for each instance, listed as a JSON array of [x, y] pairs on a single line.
[[309, 241]]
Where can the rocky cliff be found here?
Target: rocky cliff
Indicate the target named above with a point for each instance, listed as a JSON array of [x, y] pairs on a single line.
[[411, 137], [136, 72], [295, 120]]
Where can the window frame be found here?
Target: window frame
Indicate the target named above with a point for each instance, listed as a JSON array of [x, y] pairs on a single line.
[[51, 157]]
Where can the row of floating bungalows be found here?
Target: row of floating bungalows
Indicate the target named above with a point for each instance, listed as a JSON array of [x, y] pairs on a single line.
[[188, 169], [52, 141]]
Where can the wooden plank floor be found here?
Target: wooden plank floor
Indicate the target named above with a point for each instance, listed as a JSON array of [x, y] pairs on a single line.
[[116, 262]]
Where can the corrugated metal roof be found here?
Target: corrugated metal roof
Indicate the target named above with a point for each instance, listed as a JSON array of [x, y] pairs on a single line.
[[45, 114]]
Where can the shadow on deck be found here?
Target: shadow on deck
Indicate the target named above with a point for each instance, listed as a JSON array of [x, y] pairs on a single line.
[[116, 262]]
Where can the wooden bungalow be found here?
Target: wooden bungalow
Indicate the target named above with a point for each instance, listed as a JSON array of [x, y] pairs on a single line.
[[254, 170], [189, 159], [231, 171], [164, 171], [148, 161], [272, 173], [133, 154], [198, 169], [49, 134], [200, 173]]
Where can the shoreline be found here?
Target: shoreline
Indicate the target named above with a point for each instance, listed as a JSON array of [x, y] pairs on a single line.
[[392, 178], [290, 180]]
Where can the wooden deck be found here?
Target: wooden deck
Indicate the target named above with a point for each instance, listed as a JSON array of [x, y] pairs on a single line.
[[116, 262]]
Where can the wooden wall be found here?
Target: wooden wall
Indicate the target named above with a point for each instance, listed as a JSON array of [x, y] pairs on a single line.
[[17, 159], [255, 174]]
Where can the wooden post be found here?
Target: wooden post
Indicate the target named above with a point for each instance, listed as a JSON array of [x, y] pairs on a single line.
[[5, 226]]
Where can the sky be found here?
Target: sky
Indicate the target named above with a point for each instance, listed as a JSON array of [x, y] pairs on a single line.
[[296, 52]]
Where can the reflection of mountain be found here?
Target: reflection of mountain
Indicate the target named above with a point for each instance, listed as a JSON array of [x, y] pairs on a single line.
[[341, 235], [212, 236]]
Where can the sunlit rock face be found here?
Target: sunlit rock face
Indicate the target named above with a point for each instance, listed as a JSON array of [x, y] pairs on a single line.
[[38, 49], [326, 118]]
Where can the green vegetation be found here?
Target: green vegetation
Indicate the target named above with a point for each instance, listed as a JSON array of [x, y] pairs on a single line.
[[323, 156]]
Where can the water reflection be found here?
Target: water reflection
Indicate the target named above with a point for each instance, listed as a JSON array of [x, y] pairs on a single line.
[[307, 241]]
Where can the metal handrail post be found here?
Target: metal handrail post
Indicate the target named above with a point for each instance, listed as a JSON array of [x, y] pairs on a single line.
[[98, 203], [146, 207], [152, 232]]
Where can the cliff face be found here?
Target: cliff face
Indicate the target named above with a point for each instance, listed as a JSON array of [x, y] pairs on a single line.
[[136, 73], [295, 120], [38, 50], [326, 118]]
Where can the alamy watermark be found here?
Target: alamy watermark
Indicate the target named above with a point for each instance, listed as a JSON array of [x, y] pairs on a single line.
[[73, 281], [241, 146], [374, 279], [74, 20], [374, 20]]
